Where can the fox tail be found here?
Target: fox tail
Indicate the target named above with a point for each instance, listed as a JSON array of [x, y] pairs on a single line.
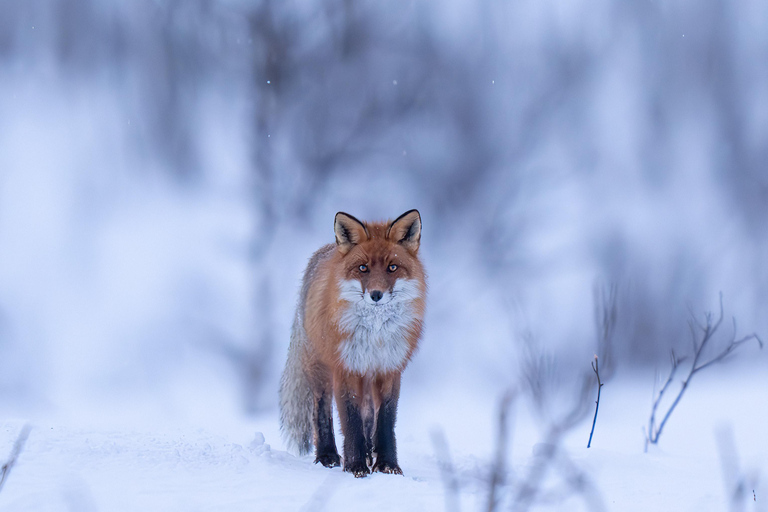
[[296, 402]]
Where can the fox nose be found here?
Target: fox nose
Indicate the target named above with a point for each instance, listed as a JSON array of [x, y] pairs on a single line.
[[376, 295]]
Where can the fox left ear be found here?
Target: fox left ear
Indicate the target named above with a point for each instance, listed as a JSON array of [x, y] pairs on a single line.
[[406, 230]]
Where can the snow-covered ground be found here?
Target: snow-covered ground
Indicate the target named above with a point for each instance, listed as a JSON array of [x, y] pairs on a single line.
[[138, 457], [124, 292]]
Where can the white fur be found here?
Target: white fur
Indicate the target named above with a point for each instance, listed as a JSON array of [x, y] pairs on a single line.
[[377, 332]]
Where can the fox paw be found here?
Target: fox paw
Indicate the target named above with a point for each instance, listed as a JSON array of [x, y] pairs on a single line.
[[359, 469], [329, 460], [388, 468]]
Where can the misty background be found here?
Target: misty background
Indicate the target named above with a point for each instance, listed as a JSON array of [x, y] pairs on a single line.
[[168, 167]]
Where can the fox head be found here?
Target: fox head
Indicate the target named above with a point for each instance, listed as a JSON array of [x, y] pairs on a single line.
[[380, 262]]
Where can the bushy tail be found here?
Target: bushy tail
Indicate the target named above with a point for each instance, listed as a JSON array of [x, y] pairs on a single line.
[[296, 402]]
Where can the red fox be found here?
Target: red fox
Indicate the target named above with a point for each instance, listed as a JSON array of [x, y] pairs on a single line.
[[358, 322]]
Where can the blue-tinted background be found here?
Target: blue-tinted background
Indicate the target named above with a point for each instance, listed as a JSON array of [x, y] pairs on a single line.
[[168, 167]]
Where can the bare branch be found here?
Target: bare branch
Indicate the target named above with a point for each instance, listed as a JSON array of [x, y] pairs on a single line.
[[691, 323], [498, 471], [733, 345], [720, 320], [708, 331], [653, 437], [596, 369], [652, 433]]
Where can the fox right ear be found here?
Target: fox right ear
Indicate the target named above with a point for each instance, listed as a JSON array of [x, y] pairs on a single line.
[[349, 232]]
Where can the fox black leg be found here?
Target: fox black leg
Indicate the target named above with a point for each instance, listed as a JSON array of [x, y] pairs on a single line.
[[325, 442], [369, 419], [350, 414], [384, 440]]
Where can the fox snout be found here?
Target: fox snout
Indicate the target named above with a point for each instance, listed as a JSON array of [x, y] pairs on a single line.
[[374, 295]]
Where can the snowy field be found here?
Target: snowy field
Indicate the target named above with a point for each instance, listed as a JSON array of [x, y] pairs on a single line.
[[215, 459], [167, 168]]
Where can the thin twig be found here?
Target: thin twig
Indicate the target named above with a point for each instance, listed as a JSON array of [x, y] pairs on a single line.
[[596, 369], [652, 422], [498, 472], [692, 327], [17, 447]]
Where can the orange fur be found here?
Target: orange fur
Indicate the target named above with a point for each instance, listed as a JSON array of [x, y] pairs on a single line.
[[359, 321], [323, 307]]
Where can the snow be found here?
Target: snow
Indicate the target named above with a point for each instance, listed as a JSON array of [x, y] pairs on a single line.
[[127, 282], [108, 462]]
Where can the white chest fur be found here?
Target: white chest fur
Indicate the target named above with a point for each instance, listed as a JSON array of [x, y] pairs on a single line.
[[377, 333]]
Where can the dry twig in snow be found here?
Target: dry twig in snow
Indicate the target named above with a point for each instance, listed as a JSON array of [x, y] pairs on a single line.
[[708, 330], [596, 369]]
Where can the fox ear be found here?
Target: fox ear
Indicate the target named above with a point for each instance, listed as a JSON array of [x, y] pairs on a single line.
[[349, 232], [406, 230]]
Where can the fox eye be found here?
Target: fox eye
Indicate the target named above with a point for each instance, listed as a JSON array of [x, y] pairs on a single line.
[[392, 267], [363, 268]]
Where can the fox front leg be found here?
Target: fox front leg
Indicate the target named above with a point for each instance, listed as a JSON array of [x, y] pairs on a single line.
[[387, 394], [325, 446], [325, 442], [349, 401], [369, 422]]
